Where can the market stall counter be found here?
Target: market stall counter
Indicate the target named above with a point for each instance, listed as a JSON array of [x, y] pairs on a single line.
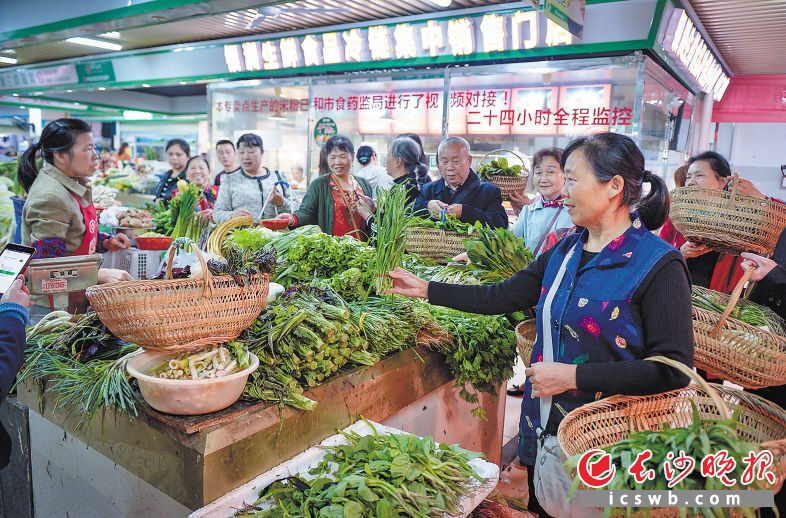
[[164, 465]]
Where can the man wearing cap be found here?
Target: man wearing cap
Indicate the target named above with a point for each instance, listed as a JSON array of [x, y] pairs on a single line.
[[371, 171], [460, 192]]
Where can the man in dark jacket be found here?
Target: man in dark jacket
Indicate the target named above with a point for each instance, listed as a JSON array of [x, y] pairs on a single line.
[[13, 319], [460, 191]]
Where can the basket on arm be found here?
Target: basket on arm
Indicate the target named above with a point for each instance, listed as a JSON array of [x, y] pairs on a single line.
[[526, 333], [433, 243], [180, 315], [508, 184], [727, 221], [734, 350], [603, 423]]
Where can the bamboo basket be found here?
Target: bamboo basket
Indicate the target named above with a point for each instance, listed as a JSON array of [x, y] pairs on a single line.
[[736, 351], [180, 315], [508, 184], [603, 423], [526, 334], [728, 222], [433, 243]]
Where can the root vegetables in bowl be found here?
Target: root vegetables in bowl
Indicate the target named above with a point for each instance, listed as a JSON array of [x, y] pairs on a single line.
[[193, 384]]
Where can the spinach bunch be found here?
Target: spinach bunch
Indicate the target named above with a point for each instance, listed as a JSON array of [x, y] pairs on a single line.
[[384, 476]]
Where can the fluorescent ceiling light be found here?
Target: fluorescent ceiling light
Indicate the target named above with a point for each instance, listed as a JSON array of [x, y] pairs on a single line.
[[101, 88], [114, 35], [145, 85], [10, 61], [15, 95], [69, 91], [22, 107], [95, 43], [7, 51], [133, 115], [442, 3]]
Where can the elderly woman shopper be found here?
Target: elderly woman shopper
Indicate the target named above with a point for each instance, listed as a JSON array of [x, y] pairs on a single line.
[[404, 166], [708, 268], [338, 202], [198, 173], [607, 298], [546, 213], [253, 188]]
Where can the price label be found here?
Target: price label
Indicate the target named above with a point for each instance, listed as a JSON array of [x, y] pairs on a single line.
[[54, 285]]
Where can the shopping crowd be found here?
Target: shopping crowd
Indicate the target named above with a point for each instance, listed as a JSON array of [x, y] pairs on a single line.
[[610, 283]]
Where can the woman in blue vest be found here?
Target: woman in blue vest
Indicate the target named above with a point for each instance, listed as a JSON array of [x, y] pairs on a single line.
[[607, 298]]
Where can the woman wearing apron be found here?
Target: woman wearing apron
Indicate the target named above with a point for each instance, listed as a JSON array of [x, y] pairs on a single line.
[[607, 298], [59, 218]]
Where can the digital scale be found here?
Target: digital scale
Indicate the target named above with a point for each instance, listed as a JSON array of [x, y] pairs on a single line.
[[62, 281]]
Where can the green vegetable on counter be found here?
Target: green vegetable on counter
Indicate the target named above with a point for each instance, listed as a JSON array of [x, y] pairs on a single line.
[[376, 475]]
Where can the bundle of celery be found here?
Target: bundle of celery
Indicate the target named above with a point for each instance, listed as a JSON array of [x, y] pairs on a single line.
[[393, 217], [308, 335], [188, 223], [745, 311], [383, 476], [84, 363]]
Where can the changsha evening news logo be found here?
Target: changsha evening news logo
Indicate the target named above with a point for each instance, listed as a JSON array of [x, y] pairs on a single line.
[[595, 469]]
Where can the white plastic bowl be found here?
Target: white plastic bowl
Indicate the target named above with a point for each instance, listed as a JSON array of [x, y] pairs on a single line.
[[187, 397]]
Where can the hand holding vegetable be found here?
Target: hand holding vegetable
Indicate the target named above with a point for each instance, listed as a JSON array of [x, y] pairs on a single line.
[[455, 209], [408, 284], [550, 379], [119, 242], [18, 293], [463, 258], [207, 214], [762, 265], [691, 250], [435, 207]]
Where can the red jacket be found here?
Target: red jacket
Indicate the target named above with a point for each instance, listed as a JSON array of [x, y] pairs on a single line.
[[727, 271]]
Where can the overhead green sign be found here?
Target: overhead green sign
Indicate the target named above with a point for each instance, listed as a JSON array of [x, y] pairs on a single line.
[[95, 72]]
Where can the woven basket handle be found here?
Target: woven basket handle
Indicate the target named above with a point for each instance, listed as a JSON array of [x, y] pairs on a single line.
[[523, 163], [203, 274], [735, 183], [698, 380], [733, 299]]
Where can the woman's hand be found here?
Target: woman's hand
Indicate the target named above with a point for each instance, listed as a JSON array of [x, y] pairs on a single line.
[[207, 214], [550, 379], [408, 284], [18, 292], [288, 217], [518, 200], [462, 258], [762, 265], [365, 206], [110, 275], [277, 198], [240, 213], [118, 242], [690, 250], [746, 187]]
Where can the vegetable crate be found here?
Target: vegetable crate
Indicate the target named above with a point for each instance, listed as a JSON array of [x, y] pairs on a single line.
[[227, 505], [141, 264]]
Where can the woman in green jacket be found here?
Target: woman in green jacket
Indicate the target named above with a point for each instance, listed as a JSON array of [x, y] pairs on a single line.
[[338, 202]]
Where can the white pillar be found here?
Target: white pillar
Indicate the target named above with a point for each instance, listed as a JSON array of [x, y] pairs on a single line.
[[705, 133]]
